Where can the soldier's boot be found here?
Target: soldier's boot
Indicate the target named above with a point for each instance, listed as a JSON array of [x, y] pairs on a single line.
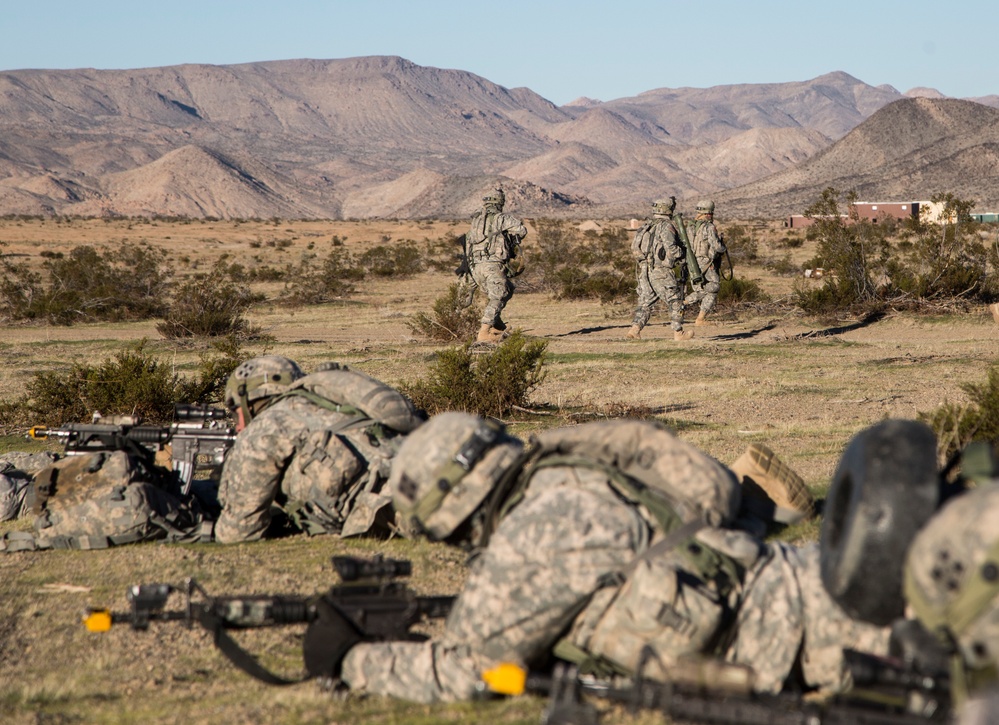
[[488, 333], [994, 308], [635, 333], [683, 334], [771, 488], [702, 319]]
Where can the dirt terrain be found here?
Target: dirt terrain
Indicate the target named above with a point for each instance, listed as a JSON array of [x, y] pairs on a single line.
[[801, 386]]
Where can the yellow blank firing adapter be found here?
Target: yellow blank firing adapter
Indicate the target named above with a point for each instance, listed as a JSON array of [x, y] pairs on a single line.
[[506, 678], [97, 620]]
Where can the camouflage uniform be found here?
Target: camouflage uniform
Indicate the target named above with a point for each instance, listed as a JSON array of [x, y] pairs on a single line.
[[17, 470], [492, 241], [323, 461], [707, 246], [656, 280], [581, 568]]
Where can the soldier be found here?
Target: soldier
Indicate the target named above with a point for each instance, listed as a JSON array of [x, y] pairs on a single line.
[[657, 247], [608, 545], [708, 248], [951, 583], [493, 240], [318, 446]]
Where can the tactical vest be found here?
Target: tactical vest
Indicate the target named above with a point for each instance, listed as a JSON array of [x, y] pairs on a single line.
[[679, 491], [97, 500], [350, 471]]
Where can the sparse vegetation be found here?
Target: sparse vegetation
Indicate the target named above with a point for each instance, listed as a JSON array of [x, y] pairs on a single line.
[[130, 382], [455, 316], [977, 419], [493, 383], [211, 305], [87, 285]]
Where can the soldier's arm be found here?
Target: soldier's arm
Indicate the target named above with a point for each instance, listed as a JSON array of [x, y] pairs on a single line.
[[541, 566], [251, 479], [513, 226], [715, 244]]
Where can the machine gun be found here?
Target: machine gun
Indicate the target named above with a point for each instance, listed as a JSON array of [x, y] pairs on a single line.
[[694, 274], [885, 692], [199, 440], [369, 596]]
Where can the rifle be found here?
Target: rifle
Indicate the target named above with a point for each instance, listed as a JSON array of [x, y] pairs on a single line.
[[694, 270], [885, 692], [369, 596], [199, 441]]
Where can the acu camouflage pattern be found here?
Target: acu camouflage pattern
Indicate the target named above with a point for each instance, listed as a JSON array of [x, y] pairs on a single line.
[[655, 258], [488, 254], [706, 243], [324, 467], [17, 469], [554, 559], [103, 499], [786, 617]]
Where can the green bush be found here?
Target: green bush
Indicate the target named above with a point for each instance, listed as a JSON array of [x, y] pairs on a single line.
[[87, 285], [958, 424], [452, 319], [132, 382], [741, 291], [210, 305], [491, 384], [313, 281], [399, 260], [570, 265]]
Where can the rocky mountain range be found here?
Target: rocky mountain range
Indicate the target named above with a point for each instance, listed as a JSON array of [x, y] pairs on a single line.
[[383, 137]]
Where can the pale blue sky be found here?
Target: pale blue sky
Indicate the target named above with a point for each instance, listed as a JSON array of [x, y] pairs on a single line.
[[560, 49]]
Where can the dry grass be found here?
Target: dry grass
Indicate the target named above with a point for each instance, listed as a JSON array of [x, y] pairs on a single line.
[[750, 378]]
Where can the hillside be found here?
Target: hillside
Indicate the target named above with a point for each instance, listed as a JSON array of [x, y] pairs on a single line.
[[911, 149], [383, 137]]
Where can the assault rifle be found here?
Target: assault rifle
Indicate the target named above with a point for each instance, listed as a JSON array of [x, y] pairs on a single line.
[[693, 269], [885, 692], [369, 596], [199, 440]]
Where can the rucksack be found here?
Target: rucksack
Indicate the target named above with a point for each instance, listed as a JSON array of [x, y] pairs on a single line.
[[97, 500]]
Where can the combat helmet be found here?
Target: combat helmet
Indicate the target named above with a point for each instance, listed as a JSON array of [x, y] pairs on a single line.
[[705, 206], [952, 584], [445, 470], [496, 197], [259, 378], [664, 206]]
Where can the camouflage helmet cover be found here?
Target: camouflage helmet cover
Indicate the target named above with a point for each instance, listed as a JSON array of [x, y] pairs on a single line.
[[705, 206], [445, 469], [495, 197], [258, 378], [664, 206], [952, 575]]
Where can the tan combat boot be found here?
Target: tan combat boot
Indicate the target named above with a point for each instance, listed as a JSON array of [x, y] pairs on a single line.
[[488, 334], [635, 333], [771, 488], [682, 334], [702, 319]]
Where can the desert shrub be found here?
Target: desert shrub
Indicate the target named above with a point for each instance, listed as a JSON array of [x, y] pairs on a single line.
[[444, 253], [452, 319], [741, 291], [741, 245], [209, 305], [958, 424], [87, 285], [131, 382], [492, 383], [593, 265], [315, 281], [399, 260]]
